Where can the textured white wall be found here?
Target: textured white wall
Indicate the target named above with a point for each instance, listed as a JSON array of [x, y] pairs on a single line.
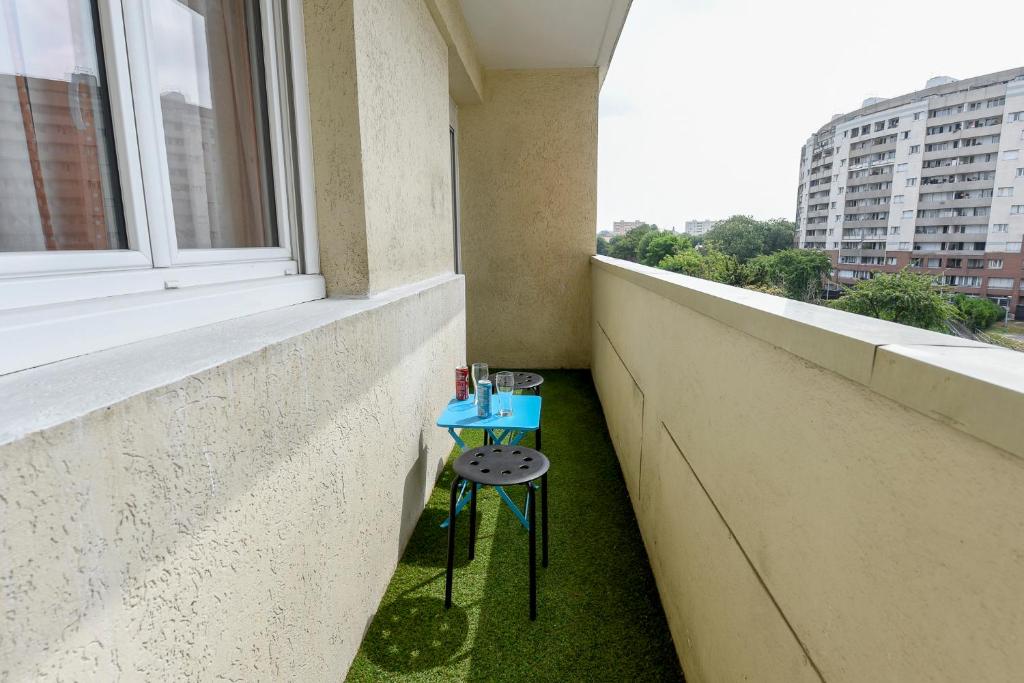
[[242, 522]]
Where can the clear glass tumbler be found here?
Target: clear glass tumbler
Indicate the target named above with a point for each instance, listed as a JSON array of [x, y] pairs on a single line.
[[480, 373], [505, 383]]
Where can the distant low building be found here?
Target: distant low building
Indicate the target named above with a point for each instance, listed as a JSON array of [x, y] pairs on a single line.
[[622, 227], [698, 228], [606, 234]]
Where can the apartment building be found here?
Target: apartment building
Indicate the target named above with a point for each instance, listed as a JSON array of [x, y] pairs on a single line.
[[932, 180], [698, 228], [622, 227]]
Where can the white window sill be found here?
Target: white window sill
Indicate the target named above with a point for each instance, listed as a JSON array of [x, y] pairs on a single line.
[[40, 398], [34, 336]]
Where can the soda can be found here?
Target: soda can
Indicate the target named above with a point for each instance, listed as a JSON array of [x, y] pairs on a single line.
[[483, 398], [461, 383]]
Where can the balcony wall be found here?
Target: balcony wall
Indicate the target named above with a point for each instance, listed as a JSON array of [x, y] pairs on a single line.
[[528, 180], [822, 496]]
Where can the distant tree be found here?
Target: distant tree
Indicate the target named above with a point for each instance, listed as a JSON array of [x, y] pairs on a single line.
[[625, 246], [602, 246], [745, 238], [707, 263], [903, 297], [796, 273], [654, 247], [978, 314]]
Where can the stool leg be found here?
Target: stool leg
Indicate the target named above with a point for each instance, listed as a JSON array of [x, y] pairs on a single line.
[[451, 543], [472, 522], [533, 550], [536, 436], [544, 519]]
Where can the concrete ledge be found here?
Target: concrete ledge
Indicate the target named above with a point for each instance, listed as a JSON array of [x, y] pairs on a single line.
[[40, 398], [972, 386]]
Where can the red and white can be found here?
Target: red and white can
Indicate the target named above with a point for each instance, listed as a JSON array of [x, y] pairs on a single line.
[[461, 383]]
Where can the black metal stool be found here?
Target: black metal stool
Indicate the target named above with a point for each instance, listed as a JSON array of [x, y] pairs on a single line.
[[524, 381], [499, 465]]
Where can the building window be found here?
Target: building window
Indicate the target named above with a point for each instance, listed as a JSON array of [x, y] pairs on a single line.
[[1020, 172], [1001, 227], [897, 199], [914, 149], [1016, 116], [934, 263], [908, 214], [995, 263], [901, 168], [1011, 154], [1017, 209], [1004, 192], [917, 115], [894, 230], [178, 174], [1000, 283], [911, 182]]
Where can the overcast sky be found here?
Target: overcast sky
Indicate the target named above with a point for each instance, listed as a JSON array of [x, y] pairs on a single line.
[[707, 102]]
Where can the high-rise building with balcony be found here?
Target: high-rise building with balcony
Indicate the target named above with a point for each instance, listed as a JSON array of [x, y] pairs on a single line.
[[932, 180]]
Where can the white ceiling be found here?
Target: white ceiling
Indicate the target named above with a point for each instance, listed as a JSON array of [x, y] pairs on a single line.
[[544, 34]]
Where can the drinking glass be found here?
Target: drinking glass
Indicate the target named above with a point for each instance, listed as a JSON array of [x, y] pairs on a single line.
[[505, 382], [480, 373]]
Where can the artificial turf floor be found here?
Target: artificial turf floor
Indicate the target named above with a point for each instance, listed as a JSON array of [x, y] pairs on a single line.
[[599, 617]]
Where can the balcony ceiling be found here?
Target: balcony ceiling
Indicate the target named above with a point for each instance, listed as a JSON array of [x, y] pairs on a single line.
[[545, 34]]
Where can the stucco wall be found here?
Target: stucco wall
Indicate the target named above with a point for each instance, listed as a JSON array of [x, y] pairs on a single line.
[[803, 521], [528, 181], [239, 522], [378, 81]]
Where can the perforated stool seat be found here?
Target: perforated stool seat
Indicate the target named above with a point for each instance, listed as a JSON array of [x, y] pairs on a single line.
[[524, 381], [499, 466]]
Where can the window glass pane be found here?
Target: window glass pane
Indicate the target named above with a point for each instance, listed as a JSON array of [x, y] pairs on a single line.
[[210, 74], [59, 187]]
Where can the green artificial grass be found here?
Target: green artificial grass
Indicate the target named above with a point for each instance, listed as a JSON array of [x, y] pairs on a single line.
[[599, 617]]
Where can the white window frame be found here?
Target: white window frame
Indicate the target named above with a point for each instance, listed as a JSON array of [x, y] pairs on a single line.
[[55, 305]]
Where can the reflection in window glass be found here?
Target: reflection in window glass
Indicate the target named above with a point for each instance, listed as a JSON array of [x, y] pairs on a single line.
[[59, 186], [209, 69]]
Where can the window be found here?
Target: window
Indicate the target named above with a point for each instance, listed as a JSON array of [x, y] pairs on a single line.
[[917, 115], [1000, 227], [911, 182], [1011, 154], [1005, 192], [901, 168], [1015, 116], [995, 263], [934, 263], [908, 214], [897, 199], [904, 246], [184, 172], [1000, 283], [891, 261], [894, 230], [914, 149], [1020, 172], [1017, 209]]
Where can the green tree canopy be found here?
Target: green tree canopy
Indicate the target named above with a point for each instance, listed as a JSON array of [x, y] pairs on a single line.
[[654, 247], [707, 263], [797, 273], [978, 314], [744, 237], [625, 246], [904, 297], [602, 246]]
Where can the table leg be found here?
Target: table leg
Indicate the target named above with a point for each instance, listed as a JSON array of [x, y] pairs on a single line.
[[451, 544]]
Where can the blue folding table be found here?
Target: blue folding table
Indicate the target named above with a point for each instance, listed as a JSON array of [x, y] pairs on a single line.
[[503, 431]]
